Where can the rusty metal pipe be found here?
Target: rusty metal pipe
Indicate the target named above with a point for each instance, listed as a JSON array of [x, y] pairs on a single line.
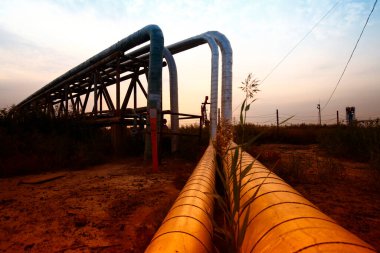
[[282, 220], [188, 225]]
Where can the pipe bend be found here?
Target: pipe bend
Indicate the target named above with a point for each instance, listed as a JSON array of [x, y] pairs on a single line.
[[194, 42], [227, 56]]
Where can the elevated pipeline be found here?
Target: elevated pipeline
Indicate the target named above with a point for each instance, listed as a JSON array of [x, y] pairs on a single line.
[[215, 41], [282, 220], [188, 225], [194, 42], [150, 32]]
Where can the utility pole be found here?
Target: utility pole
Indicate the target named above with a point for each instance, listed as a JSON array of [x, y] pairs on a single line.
[[319, 114], [337, 118], [219, 123], [278, 123]]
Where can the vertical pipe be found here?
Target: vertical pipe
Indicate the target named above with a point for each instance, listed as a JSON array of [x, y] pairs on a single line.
[[173, 79], [154, 85], [153, 119], [214, 85], [226, 49]]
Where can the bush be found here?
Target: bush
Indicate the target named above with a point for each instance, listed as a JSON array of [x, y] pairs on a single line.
[[42, 144], [296, 134], [191, 147]]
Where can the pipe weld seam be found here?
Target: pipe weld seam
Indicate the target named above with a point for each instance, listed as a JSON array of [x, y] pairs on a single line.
[[197, 183], [295, 193], [209, 177], [182, 232], [284, 222], [199, 179], [198, 190], [181, 205], [334, 242], [193, 196], [207, 171], [190, 217], [264, 183], [253, 179], [277, 204]]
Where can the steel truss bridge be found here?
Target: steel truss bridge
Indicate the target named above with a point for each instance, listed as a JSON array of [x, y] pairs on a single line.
[[84, 91]]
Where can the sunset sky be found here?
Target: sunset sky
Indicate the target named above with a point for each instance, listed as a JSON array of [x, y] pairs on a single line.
[[40, 40]]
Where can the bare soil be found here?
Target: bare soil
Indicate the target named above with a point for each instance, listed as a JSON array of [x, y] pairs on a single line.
[[114, 207], [117, 207]]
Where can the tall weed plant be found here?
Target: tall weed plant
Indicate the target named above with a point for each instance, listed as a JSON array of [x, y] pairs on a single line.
[[235, 222]]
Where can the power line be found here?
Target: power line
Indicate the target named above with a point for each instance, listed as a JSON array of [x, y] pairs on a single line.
[[261, 117], [293, 48], [299, 42], [349, 59]]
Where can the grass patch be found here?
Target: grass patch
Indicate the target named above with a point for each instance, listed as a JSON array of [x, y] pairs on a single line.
[[357, 143]]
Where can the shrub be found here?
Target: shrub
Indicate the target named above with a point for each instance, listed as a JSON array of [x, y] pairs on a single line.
[[42, 144]]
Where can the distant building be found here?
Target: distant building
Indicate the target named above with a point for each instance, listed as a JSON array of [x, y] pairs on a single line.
[[350, 115]]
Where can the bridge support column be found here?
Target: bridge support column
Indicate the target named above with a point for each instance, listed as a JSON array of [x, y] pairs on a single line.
[[117, 136]]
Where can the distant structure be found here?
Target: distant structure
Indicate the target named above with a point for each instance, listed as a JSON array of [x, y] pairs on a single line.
[[350, 115]]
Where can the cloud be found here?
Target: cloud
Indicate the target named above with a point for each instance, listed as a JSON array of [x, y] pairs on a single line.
[[101, 8], [10, 40], [40, 40], [26, 66]]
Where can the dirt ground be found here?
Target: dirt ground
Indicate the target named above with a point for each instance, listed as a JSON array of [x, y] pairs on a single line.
[[347, 191], [117, 207], [114, 207]]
